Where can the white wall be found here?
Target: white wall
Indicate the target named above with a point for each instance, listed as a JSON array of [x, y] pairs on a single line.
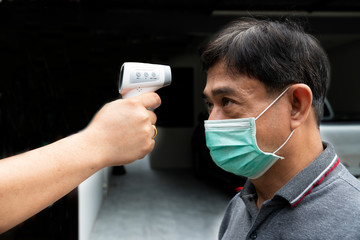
[[91, 195]]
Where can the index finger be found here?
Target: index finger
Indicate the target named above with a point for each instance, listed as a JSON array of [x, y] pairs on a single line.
[[150, 100]]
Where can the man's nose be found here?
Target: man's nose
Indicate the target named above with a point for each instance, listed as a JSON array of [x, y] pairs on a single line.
[[215, 114]]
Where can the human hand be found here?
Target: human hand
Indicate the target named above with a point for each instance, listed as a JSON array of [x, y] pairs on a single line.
[[122, 132]]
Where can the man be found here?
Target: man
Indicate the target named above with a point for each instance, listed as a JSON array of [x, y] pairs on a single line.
[[120, 133], [266, 84]]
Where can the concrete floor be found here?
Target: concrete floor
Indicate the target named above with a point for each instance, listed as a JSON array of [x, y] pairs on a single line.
[[151, 204]]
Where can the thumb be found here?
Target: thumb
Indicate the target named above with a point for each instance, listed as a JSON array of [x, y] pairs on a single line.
[[150, 100]]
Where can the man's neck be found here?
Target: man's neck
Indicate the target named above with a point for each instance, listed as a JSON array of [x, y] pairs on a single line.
[[300, 156]]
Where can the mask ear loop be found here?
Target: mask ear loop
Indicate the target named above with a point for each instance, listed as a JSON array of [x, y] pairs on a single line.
[[284, 142], [267, 109], [272, 103]]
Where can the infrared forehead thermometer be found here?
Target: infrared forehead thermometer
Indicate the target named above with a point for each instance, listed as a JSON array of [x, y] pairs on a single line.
[[138, 78]]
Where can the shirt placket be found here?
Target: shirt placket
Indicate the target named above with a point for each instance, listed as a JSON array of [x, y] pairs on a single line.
[[259, 217]]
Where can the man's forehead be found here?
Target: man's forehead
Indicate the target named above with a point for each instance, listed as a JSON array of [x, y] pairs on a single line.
[[219, 69], [221, 81], [220, 90], [242, 85]]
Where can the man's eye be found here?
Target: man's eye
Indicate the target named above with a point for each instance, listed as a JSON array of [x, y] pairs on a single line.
[[209, 105], [226, 102]]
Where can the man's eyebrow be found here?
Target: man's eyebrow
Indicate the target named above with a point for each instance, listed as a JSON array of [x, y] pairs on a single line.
[[220, 91]]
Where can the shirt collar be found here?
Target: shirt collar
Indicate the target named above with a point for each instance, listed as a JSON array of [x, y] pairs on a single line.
[[313, 175]]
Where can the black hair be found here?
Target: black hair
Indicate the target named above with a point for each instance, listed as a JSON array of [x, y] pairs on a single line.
[[276, 53]]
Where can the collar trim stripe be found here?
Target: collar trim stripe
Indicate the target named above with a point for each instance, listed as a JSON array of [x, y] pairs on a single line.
[[334, 163]]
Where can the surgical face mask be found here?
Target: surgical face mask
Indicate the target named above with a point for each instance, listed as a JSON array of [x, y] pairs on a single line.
[[233, 147]]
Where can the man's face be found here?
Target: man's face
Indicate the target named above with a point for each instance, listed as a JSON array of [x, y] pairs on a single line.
[[230, 96]]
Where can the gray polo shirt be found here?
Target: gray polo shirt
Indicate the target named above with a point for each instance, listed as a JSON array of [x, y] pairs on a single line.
[[321, 202]]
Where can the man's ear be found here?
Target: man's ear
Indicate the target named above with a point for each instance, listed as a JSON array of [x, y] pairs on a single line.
[[301, 104]]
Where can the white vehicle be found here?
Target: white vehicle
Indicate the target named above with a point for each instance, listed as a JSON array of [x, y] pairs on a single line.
[[345, 136]]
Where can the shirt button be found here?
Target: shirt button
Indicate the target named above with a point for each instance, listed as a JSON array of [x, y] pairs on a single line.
[[253, 235]]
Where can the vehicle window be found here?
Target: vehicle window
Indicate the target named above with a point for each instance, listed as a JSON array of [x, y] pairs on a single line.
[[344, 85]]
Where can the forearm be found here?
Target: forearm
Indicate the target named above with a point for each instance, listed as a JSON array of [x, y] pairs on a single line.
[[33, 180], [120, 133]]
